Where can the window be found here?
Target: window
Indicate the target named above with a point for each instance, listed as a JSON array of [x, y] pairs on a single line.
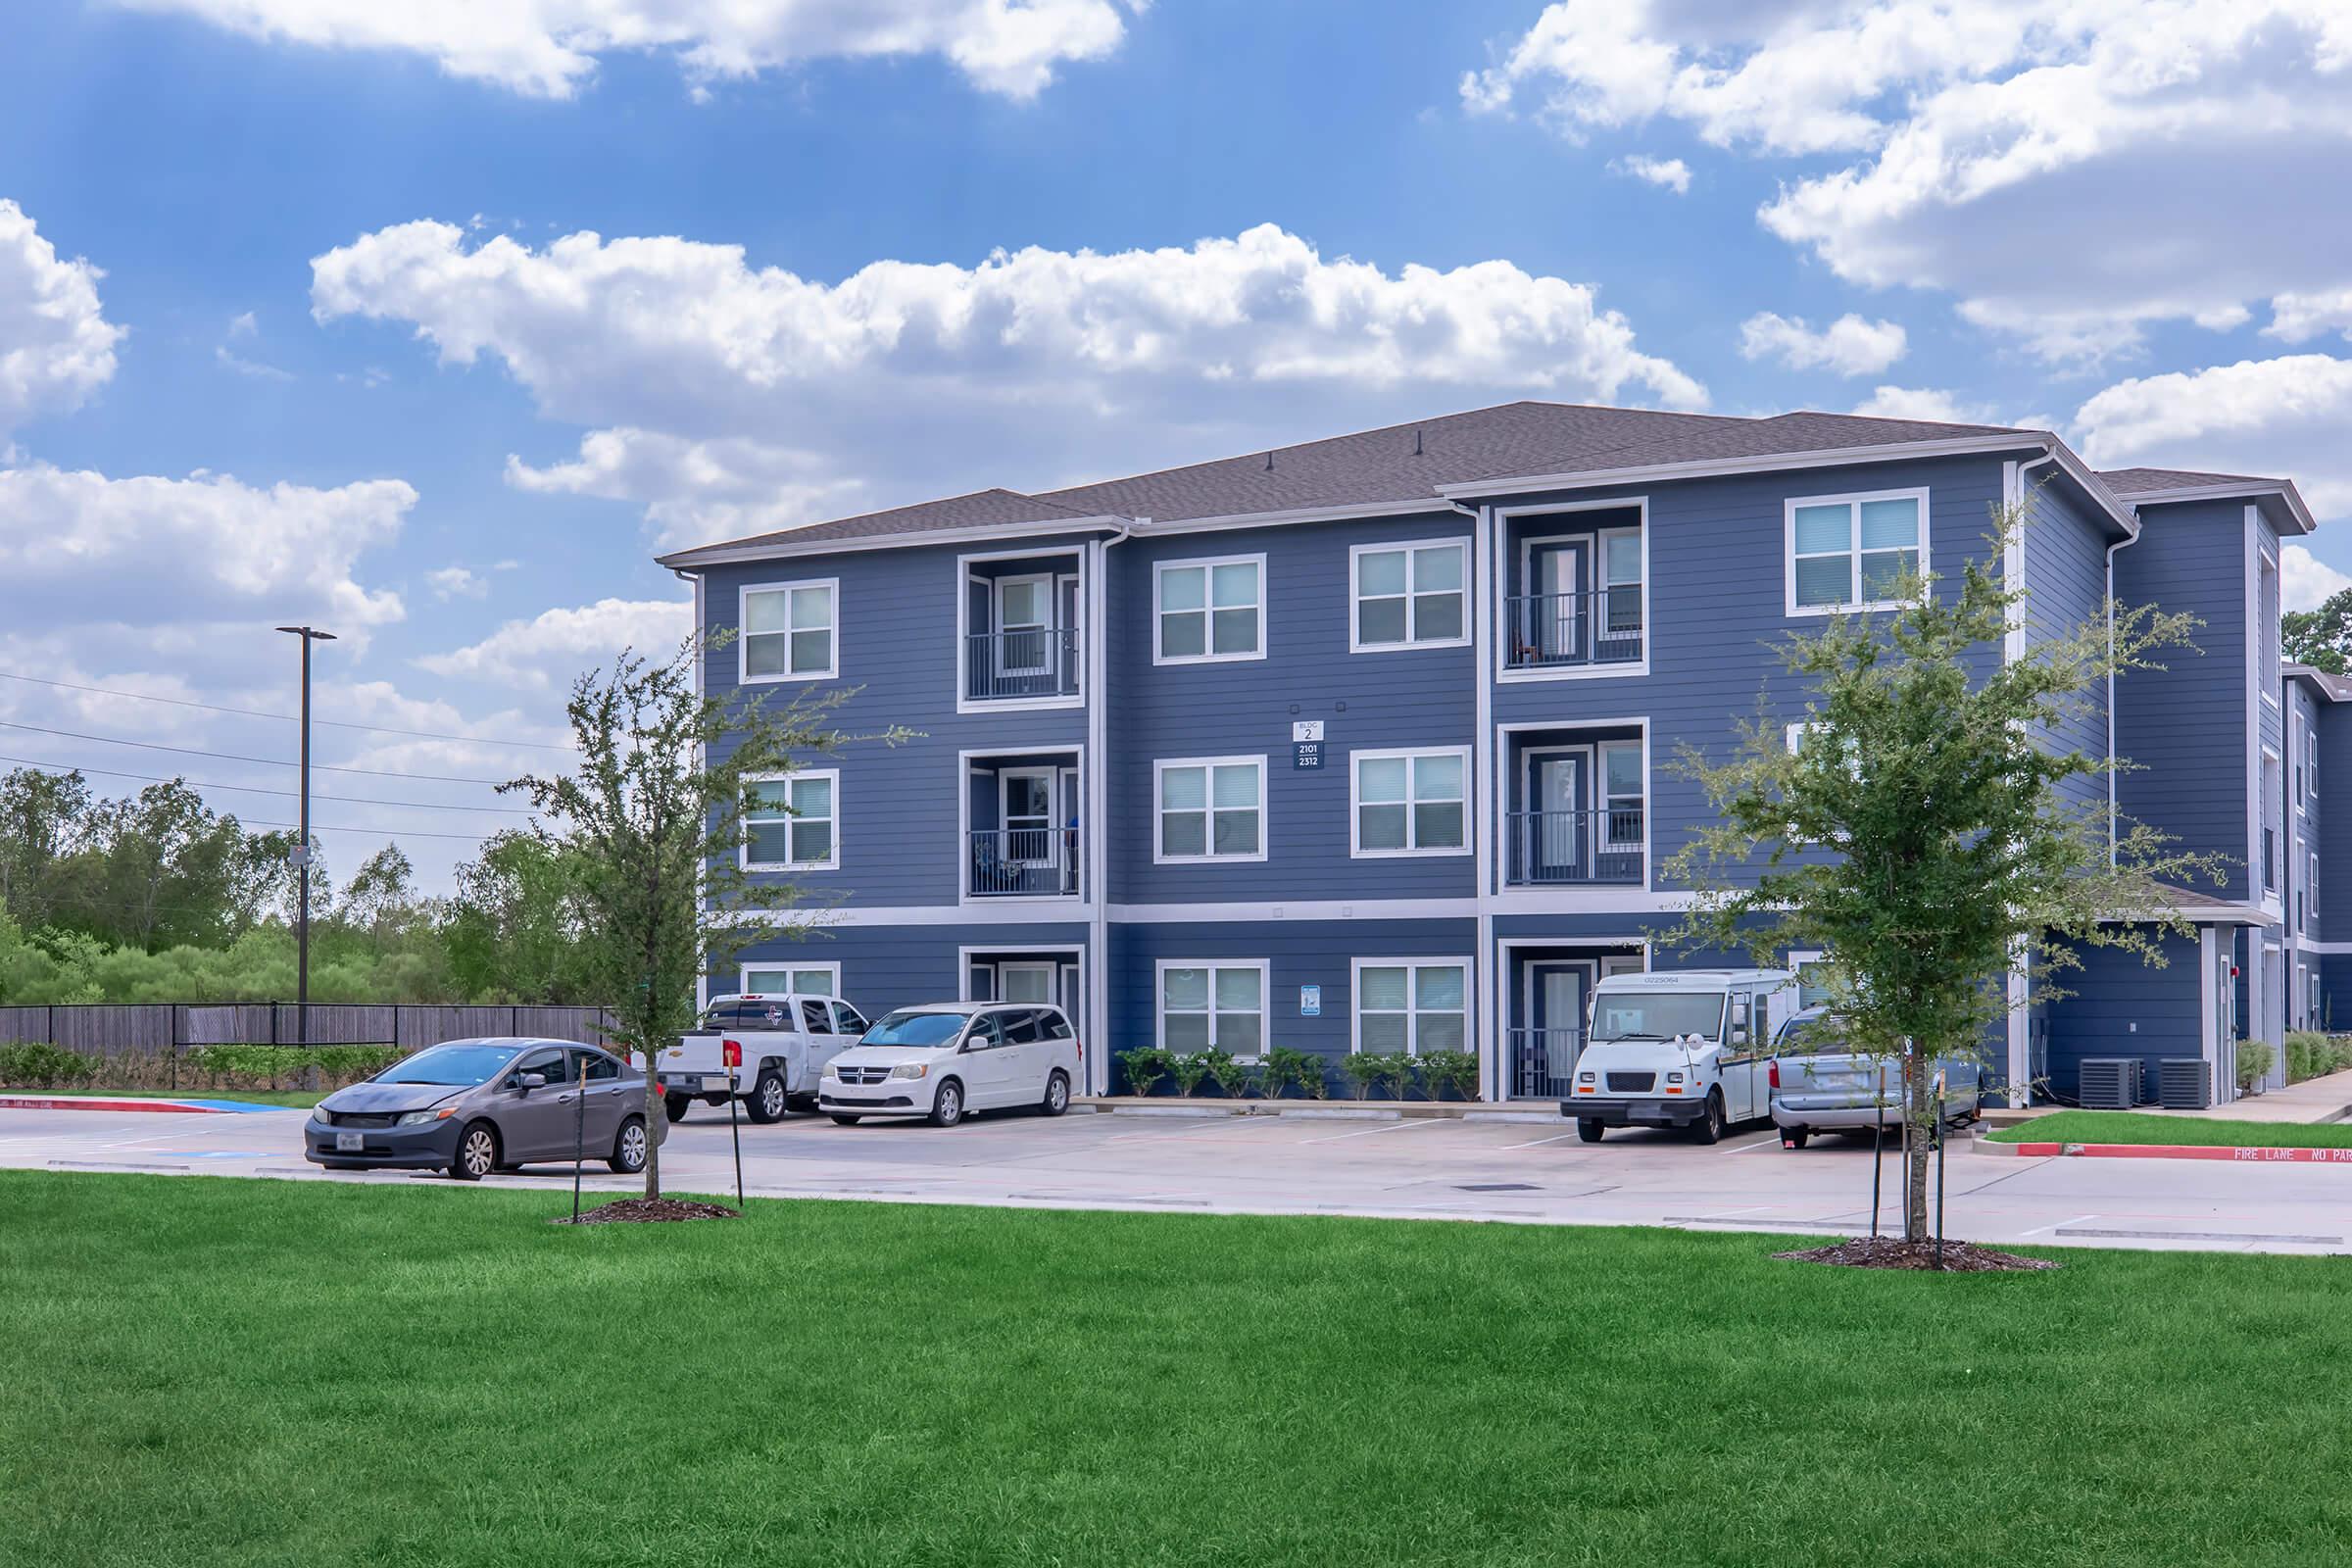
[[1411, 803], [1021, 1028], [787, 631], [1210, 609], [1848, 552], [594, 1066], [820, 980], [2297, 748], [816, 1018], [2311, 881], [847, 1020], [1810, 992], [1220, 1004], [1212, 810], [1621, 581], [1416, 1007], [1409, 596], [1621, 800], [788, 823]]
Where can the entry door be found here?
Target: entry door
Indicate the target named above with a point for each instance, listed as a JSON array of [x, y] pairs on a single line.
[[1556, 1024], [1555, 842], [1028, 806], [1024, 617], [1026, 982], [1067, 824], [1562, 573]]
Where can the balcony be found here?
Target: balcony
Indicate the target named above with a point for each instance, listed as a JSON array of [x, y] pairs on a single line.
[[1037, 863], [1545, 631], [1573, 849], [1024, 663]]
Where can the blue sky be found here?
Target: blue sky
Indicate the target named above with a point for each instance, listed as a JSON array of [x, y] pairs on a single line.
[[242, 381]]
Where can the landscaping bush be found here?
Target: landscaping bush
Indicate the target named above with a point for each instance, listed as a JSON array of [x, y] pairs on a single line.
[[1300, 1067], [32, 1065], [1456, 1070], [2307, 1055], [1232, 1074], [2254, 1058], [1369, 1070], [1145, 1066], [1188, 1071]]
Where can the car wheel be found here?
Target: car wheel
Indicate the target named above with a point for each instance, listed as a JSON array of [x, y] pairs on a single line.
[[477, 1152], [629, 1148], [768, 1098], [1794, 1137], [675, 1105], [1057, 1095], [947, 1105], [1590, 1131], [1708, 1129], [848, 1121]]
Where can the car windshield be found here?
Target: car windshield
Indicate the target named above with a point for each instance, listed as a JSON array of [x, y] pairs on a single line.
[[449, 1064], [924, 1029], [1657, 1014]]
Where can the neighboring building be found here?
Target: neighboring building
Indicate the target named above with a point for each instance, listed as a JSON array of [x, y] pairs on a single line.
[[2319, 736], [1376, 748]]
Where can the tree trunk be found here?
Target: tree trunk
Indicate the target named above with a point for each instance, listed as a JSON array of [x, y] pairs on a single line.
[[1918, 1117], [656, 1120]]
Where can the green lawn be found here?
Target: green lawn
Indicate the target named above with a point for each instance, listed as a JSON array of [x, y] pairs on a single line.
[[2136, 1127], [298, 1099], [209, 1371]]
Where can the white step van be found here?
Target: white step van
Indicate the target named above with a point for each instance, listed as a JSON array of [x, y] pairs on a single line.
[[1679, 1047]]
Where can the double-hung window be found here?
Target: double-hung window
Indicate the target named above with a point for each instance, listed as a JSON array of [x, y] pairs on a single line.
[[1621, 801], [790, 824], [1849, 551], [818, 981], [1220, 1004], [1411, 596], [1808, 967], [787, 631], [1211, 809], [1209, 609], [1413, 1006], [1412, 803]]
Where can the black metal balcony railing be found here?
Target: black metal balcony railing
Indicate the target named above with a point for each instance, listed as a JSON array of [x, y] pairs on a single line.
[[1600, 627], [1041, 661], [1037, 861], [1554, 848], [1543, 1063], [2269, 859]]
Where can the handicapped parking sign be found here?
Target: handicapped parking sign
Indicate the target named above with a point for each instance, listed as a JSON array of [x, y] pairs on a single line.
[[1310, 1002]]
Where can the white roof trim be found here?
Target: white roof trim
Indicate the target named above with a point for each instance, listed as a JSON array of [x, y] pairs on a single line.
[[2285, 492], [722, 554]]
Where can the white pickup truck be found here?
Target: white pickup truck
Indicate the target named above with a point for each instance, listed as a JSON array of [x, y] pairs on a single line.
[[1679, 1047], [785, 1041]]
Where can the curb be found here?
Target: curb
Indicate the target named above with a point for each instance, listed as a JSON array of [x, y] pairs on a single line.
[[208, 1108], [2264, 1156], [1323, 1110]]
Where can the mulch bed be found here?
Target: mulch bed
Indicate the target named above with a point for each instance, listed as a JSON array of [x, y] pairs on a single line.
[[646, 1211], [1889, 1252]]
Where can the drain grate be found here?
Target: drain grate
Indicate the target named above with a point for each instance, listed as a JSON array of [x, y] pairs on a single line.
[[1496, 1187]]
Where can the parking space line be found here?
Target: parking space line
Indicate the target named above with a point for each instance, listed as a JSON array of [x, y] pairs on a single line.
[[1401, 1124], [2076, 1220], [1537, 1144]]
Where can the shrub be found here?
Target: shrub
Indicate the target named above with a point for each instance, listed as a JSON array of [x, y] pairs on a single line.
[[1369, 1070], [1287, 1066], [2254, 1059], [1456, 1070], [1145, 1067], [1230, 1071], [34, 1064], [2307, 1055], [1188, 1071]]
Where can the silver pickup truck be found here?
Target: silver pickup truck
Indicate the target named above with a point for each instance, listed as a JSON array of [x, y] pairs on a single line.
[[783, 1040]]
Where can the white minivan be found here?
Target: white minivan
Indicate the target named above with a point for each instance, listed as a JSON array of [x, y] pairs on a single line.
[[1683, 1048], [945, 1059]]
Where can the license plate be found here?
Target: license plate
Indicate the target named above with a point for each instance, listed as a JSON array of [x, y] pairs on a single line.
[[713, 1083], [349, 1143]]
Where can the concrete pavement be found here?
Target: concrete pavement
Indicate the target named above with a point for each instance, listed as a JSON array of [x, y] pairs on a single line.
[[1525, 1173]]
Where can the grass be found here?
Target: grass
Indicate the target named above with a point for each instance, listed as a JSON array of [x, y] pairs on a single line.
[[298, 1099], [2137, 1127], [210, 1371]]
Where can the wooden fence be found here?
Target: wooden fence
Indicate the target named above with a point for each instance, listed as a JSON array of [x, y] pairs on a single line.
[[166, 1028]]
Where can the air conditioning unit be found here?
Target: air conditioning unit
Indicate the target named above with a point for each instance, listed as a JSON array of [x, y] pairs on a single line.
[[2183, 1083], [2108, 1083]]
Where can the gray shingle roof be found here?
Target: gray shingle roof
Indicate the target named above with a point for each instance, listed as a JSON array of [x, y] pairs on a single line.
[[1403, 463], [2148, 481]]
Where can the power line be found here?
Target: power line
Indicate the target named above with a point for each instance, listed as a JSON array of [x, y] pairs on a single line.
[[256, 789], [256, 712], [233, 756]]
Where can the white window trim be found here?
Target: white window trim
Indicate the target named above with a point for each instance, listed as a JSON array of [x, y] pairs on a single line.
[[1798, 958], [1355, 815], [1355, 598], [831, 966], [1500, 604], [1855, 501], [1265, 998], [1209, 565], [1057, 559], [1161, 765], [1412, 1000], [831, 862], [1600, 794], [1500, 785], [743, 637]]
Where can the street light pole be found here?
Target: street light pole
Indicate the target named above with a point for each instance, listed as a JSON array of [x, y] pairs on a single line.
[[302, 850]]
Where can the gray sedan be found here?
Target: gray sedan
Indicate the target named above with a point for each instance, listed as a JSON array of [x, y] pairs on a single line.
[[474, 1107]]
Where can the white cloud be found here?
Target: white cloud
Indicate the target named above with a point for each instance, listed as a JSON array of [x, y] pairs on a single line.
[[2305, 581], [56, 345], [1926, 402], [457, 583], [243, 325], [2000, 150], [722, 396], [2297, 317], [547, 652], [255, 368], [2284, 416], [1670, 173], [1849, 345], [550, 48]]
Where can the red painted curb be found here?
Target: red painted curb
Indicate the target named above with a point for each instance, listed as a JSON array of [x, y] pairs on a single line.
[[71, 1103], [2249, 1156]]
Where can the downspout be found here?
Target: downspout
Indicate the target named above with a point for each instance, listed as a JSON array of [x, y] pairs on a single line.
[[701, 977], [1094, 839], [2112, 797]]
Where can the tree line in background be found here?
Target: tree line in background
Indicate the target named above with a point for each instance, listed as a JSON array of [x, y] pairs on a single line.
[[155, 897]]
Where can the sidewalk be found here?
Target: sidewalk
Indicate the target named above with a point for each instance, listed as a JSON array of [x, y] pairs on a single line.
[[2314, 1099], [1516, 1111]]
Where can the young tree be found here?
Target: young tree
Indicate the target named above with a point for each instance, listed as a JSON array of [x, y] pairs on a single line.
[[651, 821], [2321, 637], [1923, 831]]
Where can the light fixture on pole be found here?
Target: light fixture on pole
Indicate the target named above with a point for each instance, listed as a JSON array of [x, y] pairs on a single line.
[[302, 848]]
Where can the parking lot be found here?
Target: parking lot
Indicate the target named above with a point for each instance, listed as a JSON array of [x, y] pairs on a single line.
[[1533, 1172]]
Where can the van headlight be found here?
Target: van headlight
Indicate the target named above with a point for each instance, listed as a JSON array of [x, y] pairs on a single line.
[[1674, 1077], [911, 1069], [833, 1071]]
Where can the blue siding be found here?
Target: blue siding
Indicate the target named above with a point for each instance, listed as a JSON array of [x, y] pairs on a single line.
[[2335, 845], [2066, 586], [895, 966], [2121, 1007]]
